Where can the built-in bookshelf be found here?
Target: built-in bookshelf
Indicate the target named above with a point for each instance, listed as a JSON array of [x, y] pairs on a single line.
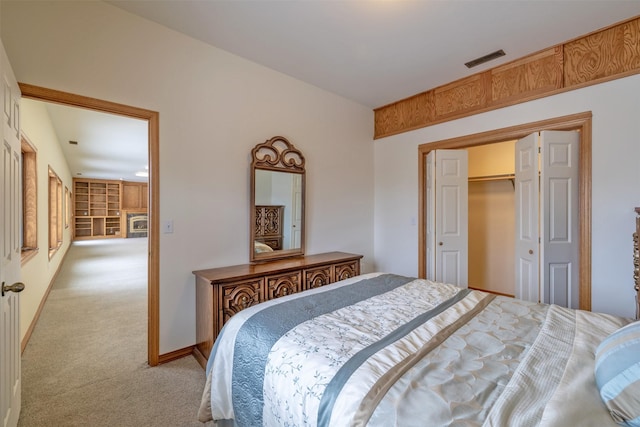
[[96, 208], [100, 207]]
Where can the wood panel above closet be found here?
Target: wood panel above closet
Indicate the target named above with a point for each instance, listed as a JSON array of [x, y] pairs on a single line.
[[607, 54]]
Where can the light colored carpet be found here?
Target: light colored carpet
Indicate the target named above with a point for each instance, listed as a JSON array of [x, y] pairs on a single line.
[[85, 364]]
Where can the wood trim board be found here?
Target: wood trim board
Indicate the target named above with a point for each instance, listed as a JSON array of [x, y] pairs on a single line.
[[153, 118]]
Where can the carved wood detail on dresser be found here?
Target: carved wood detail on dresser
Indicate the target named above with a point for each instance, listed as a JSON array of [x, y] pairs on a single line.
[[225, 291]]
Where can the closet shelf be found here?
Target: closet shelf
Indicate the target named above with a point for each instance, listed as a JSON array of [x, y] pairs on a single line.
[[492, 177]]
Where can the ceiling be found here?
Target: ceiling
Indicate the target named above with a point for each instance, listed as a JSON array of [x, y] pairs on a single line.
[[108, 146], [373, 52], [376, 52]]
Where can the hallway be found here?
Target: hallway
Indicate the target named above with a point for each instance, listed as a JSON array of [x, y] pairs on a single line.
[[85, 363]]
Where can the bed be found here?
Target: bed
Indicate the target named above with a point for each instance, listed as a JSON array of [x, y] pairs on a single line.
[[388, 350]]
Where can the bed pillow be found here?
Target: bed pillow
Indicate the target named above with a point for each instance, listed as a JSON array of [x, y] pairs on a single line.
[[617, 372]]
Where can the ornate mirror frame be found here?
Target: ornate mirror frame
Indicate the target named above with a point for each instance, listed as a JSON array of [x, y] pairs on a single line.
[[277, 224]]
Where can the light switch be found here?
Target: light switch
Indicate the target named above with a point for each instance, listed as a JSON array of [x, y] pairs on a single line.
[[167, 226]]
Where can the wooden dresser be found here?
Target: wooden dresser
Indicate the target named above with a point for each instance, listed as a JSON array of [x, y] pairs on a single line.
[[223, 292]]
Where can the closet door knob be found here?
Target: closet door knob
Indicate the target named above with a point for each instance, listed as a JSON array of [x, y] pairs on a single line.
[[530, 251], [439, 243]]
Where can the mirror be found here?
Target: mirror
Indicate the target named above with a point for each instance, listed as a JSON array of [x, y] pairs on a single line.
[[277, 200]]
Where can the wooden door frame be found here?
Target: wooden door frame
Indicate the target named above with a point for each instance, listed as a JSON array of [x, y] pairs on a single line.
[[152, 117], [580, 122]]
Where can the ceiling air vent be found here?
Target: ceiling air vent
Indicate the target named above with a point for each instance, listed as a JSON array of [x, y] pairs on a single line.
[[486, 58], [73, 142]]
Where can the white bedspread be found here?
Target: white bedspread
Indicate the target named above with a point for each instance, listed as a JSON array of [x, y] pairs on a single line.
[[463, 358]]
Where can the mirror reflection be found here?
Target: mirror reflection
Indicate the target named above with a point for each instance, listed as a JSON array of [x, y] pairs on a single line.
[[277, 200], [278, 210]]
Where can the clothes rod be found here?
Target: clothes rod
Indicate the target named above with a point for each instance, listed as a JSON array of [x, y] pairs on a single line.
[[492, 177]]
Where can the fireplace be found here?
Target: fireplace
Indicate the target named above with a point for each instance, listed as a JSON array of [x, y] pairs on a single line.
[[137, 224]]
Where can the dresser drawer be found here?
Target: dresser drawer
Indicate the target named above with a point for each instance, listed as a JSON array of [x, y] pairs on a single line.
[[235, 297], [316, 277], [346, 270], [285, 284]]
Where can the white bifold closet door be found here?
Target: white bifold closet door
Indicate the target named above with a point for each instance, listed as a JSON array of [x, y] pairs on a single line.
[[546, 181], [447, 216]]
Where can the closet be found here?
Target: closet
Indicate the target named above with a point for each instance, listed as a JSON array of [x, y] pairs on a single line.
[[492, 217], [503, 217]]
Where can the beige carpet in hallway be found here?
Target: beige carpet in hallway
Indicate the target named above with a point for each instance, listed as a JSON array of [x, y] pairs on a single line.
[[85, 364]]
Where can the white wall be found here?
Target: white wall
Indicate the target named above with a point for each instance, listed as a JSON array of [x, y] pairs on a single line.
[[615, 178], [214, 107], [38, 272]]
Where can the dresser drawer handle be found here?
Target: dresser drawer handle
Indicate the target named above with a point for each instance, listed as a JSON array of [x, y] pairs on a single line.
[[244, 302]]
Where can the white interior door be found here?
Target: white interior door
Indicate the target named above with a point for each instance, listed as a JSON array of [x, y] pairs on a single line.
[[546, 218], [447, 215], [430, 212], [10, 385], [527, 192], [559, 225]]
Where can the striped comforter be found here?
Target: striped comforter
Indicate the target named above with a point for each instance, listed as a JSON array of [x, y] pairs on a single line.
[[384, 350]]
